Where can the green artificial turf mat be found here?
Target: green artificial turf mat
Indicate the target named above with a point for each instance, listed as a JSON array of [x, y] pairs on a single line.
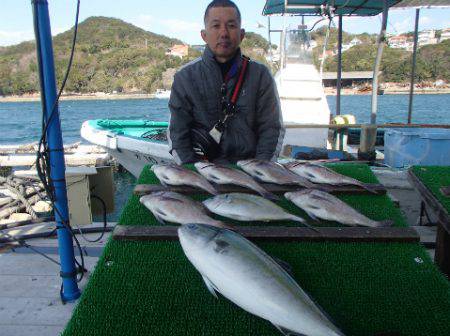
[[150, 288], [435, 177]]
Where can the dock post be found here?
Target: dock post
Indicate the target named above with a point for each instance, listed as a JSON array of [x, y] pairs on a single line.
[[44, 49], [413, 66]]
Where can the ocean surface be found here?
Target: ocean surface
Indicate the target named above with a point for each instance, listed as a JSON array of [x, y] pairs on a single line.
[[20, 122]]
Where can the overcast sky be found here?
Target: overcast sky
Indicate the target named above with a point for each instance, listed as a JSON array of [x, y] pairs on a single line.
[[183, 19]]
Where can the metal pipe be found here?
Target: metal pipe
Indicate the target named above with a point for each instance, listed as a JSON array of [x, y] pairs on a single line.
[[339, 68], [381, 41], [344, 126], [44, 51], [413, 66]]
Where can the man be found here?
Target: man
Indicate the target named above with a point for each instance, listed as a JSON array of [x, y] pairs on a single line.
[[201, 93]]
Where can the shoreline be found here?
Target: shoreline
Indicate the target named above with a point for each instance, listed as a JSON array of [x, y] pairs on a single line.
[[124, 96]]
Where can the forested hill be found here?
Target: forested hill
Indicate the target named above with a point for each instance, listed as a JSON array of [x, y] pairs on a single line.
[[114, 56], [111, 55]]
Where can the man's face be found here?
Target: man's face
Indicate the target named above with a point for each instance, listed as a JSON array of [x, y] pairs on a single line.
[[223, 32]]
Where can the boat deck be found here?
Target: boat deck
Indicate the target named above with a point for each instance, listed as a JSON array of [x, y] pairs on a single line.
[[30, 285]]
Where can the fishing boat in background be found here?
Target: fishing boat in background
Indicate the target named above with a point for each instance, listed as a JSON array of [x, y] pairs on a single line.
[[162, 94], [133, 143]]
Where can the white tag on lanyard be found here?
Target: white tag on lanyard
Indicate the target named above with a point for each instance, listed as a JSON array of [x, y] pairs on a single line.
[[215, 134]]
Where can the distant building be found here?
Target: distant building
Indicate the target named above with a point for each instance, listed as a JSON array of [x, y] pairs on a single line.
[[399, 41], [445, 35], [427, 37], [199, 47], [352, 43], [348, 78], [178, 50], [355, 42]]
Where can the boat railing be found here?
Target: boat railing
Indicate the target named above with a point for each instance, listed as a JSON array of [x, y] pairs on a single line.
[[346, 126]]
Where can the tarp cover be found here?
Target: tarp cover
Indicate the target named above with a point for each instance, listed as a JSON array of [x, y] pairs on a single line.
[[343, 7]]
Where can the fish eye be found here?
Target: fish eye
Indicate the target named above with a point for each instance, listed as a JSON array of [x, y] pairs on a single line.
[[192, 226]]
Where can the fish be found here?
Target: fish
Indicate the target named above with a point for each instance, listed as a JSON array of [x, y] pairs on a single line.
[[172, 207], [272, 172], [323, 175], [225, 175], [319, 204], [247, 207], [244, 274], [172, 174]]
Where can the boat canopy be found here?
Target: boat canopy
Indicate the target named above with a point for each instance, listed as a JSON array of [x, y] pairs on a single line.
[[343, 7]]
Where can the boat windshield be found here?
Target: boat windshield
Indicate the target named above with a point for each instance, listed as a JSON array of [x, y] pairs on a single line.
[[298, 46]]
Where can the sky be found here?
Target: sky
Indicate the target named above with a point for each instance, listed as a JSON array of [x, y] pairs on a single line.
[[183, 19]]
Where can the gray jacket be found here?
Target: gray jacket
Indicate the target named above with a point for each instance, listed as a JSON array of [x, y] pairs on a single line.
[[255, 131]]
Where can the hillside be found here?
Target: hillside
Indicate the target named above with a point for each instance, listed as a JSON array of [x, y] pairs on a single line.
[[433, 61], [111, 55]]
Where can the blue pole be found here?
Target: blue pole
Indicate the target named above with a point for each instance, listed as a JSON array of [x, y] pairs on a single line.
[[44, 50]]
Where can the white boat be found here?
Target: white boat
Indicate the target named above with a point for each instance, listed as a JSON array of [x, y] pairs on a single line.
[[162, 94], [302, 96], [133, 143]]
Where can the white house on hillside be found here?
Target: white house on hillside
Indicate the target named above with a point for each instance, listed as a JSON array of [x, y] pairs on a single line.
[[445, 35], [427, 37]]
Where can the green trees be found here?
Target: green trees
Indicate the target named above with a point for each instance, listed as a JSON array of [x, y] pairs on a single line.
[[433, 62]]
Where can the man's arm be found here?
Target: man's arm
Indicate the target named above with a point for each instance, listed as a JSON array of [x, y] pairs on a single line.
[[269, 121], [181, 120]]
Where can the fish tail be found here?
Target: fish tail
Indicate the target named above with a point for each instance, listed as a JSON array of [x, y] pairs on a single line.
[[269, 195], [223, 225], [210, 188], [385, 223], [370, 188]]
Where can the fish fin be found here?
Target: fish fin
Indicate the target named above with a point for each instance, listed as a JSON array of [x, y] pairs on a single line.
[[313, 217], [287, 332], [212, 289], [159, 219], [311, 227], [301, 220], [284, 265]]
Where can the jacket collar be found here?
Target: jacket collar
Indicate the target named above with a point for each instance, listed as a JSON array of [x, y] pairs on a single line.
[[209, 58]]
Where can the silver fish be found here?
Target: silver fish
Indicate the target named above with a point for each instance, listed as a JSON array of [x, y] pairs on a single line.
[[226, 175], [272, 172], [320, 174], [319, 204], [172, 174], [246, 207], [243, 273], [176, 208]]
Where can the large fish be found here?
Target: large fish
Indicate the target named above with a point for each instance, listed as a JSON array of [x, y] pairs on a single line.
[[172, 174], [272, 172], [319, 204], [323, 175], [243, 273], [226, 175], [246, 207], [172, 207]]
